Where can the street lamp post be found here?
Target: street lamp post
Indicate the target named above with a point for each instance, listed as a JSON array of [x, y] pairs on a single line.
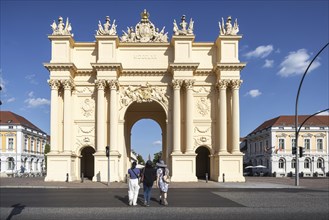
[[296, 115], [107, 148]]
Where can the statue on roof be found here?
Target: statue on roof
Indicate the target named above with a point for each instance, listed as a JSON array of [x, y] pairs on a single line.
[[61, 28], [227, 29], [108, 28], [184, 29], [144, 31]]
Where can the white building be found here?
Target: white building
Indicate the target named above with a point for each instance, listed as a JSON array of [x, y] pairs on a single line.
[[22, 145], [271, 144]]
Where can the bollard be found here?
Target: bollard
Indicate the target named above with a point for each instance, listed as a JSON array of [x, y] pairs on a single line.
[[67, 178], [82, 177], [206, 177], [223, 177]]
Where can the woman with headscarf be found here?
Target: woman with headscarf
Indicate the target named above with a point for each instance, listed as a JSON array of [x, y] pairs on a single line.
[[161, 184], [148, 176], [133, 185]]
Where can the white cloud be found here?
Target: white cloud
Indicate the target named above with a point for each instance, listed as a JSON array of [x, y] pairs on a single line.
[[11, 100], [3, 83], [31, 79], [296, 63], [254, 93], [260, 52], [268, 63], [33, 102], [157, 143], [324, 113]]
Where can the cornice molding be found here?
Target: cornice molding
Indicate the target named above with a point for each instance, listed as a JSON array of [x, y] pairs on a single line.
[[229, 67], [183, 66], [107, 66], [154, 72], [60, 66]]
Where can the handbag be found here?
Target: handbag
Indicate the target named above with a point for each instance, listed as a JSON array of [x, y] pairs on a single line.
[[139, 179]]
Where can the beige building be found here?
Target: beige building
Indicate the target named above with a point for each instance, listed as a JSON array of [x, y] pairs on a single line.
[[100, 89], [271, 144], [22, 146]]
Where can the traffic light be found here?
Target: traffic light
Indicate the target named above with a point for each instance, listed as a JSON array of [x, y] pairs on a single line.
[[301, 151], [294, 150], [107, 151]]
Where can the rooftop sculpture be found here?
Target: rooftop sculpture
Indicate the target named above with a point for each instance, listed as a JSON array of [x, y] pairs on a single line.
[[108, 29], [184, 30], [144, 31], [60, 28], [228, 29]]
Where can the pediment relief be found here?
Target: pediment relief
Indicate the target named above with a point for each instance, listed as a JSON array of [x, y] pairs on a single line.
[[282, 135]]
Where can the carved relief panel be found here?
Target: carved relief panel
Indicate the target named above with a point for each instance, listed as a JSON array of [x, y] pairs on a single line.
[[85, 135]]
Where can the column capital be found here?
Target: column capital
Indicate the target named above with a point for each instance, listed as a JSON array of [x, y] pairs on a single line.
[[113, 84], [188, 83], [223, 83], [67, 84], [54, 83], [100, 83], [235, 83], [177, 83]]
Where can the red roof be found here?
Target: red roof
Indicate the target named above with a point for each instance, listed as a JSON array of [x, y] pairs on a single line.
[[7, 117], [289, 120]]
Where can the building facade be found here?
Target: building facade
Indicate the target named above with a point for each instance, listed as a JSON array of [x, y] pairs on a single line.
[[22, 145], [100, 89], [271, 145]]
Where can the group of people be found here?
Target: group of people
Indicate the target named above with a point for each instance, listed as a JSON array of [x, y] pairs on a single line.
[[148, 176]]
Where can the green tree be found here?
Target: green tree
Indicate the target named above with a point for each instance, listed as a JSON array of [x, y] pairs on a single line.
[[157, 157], [140, 159]]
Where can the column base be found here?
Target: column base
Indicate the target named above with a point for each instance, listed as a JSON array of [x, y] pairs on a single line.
[[101, 166], [183, 167], [61, 167], [228, 167]]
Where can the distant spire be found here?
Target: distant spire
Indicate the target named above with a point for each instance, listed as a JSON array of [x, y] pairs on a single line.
[[149, 157]]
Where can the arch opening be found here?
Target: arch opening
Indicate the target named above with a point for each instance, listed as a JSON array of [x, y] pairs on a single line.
[[202, 162], [87, 162]]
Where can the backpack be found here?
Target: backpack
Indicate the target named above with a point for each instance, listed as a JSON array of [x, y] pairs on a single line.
[[166, 177]]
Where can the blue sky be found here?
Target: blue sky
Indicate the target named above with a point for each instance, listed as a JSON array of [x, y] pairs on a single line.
[[279, 40]]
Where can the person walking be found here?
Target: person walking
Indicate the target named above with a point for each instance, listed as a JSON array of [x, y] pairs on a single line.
[[148, 177], [133, 186], [162, 172]]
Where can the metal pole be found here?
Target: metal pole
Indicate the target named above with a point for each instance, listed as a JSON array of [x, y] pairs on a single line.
[[108, 171], [296, 116]]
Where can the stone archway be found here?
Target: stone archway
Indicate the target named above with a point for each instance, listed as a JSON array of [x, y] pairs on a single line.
[[145, 110], [87, 162], [202, 162]]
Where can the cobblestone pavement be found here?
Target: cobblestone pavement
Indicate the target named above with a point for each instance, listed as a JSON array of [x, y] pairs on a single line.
[[251, 182]]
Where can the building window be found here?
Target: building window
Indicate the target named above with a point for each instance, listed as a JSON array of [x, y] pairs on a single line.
[[10, 143], [281, 164], [307, 163], [11, 163], [319, 144], [307, 144], [10, 127], [319, 163], [293, 163], [32, 145], [281, 144], [261, 146], [255, 145], [25, 144], [293, 142]]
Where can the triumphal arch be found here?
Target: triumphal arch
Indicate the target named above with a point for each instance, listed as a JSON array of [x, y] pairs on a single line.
[[100, 89]]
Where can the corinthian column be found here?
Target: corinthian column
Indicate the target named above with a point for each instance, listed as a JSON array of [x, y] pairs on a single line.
[[54, 84], [67, 84], [177, 121], [222, 117], [235, 85], [113, 115], [189, 115], [100, 115]]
